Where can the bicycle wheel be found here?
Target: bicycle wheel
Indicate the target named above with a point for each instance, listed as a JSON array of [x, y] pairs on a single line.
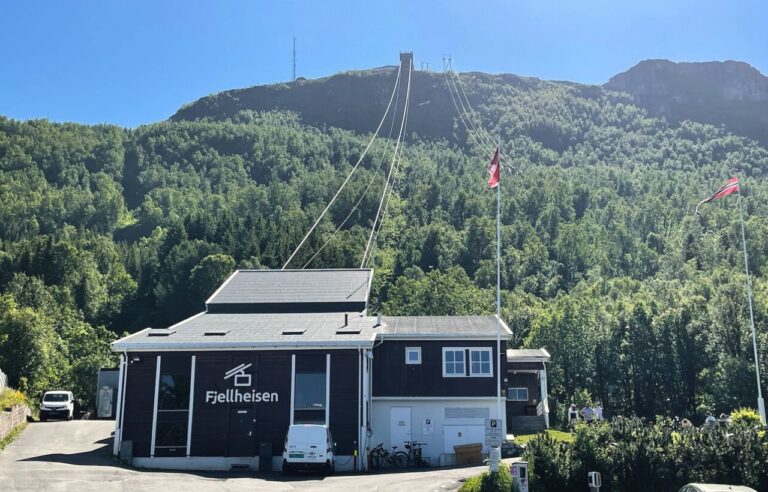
[[378, 461], [400, 459]]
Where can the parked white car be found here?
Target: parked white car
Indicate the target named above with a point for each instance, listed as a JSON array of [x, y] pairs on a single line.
[[308, 447], [57, 404], [713, 487]]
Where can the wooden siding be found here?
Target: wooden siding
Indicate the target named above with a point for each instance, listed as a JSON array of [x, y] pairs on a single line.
[[393, 377], [344, 403], [139, 401], [271, 372], [520, 366], [524, 380]]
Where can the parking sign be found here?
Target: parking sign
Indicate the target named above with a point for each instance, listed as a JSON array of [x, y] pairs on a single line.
[[493, 432]]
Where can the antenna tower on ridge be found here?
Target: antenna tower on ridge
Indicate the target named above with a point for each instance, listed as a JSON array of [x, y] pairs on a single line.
[[294, 58]]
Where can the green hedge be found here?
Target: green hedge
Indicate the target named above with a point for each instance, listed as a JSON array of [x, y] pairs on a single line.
[[634, 456], [489, 482]]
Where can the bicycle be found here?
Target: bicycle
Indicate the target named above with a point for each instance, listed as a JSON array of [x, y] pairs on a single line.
[[381, 458], [414, 453]]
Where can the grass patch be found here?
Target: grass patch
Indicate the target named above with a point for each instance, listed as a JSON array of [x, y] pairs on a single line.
[[13, 435], [554, 434]]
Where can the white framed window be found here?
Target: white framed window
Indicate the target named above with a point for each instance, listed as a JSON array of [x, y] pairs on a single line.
[[517, 394], [413, 355], [454, 362], [480, 362]]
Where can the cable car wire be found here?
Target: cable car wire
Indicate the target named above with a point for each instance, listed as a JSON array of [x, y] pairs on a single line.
[[354, 168], [391, 167], [367, 188]]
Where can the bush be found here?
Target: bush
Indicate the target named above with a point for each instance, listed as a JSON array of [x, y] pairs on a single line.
[[745, 416], [489, 482], [10, 397], [634, 456], [550, 464]]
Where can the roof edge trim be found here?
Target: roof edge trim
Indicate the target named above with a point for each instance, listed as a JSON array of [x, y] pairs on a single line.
[[216, 292]]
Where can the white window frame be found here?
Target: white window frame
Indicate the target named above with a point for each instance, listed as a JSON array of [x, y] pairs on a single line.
[[509, 390], [490, 361], [409, 350], [463, 351], [467, 351]]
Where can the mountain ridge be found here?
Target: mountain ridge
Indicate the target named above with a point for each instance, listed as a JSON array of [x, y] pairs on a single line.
[[731, 94]]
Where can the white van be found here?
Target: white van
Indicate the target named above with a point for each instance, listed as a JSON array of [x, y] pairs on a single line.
[[57, 404], [308, 446]]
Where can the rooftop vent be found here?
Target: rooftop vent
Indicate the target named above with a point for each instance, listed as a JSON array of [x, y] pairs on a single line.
[[294, 331], [160, 332], [216, 333]]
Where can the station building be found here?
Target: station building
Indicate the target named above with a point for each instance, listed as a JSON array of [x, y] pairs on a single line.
[[280, 347]]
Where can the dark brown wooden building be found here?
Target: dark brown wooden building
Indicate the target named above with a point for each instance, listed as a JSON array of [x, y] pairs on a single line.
[[527, 407], [275, 348]]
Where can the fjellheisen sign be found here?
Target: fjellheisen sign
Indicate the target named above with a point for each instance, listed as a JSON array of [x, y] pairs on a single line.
[[236, 395]]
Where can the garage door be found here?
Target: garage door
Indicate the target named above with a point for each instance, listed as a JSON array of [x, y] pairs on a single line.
[[462, 434]]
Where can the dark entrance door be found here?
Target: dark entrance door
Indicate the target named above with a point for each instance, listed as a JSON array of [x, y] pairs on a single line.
[[242, 441]]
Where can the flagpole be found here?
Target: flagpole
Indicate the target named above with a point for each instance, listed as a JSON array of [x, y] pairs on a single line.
[[760, 402], [498, 299]]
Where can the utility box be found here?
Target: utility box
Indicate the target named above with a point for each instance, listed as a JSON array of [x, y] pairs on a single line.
[[106, 378], [468, 454], [519, 473], [126, 451], [104, 405], [265, 456]]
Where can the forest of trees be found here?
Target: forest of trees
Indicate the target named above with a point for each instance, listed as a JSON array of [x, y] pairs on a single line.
[[105, 230]]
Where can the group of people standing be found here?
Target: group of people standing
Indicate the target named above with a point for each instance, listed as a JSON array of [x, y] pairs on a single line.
[[588, 413]]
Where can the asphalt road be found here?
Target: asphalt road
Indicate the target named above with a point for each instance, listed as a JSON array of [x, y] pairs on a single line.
[[76, 456]]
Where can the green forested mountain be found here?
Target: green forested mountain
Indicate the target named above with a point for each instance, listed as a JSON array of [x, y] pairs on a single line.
[[105, 230]]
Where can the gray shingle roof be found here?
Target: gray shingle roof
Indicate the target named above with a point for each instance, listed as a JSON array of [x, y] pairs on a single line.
[[258, 330], [294, 287], [249, 330], [442, 326]]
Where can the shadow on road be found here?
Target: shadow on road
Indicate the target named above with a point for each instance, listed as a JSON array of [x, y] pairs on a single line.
[[98, 457]]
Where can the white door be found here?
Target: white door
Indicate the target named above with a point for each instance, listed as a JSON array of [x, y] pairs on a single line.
[[399, 426]]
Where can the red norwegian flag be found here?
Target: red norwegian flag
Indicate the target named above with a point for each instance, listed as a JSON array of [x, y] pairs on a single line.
[[494, 170], [731, 186]]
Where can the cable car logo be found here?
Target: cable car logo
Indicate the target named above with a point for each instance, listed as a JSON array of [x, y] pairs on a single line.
[[241, 378]]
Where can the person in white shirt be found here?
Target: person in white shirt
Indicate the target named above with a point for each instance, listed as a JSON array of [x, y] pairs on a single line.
[[598, 411], [586, 412], [573, 413]]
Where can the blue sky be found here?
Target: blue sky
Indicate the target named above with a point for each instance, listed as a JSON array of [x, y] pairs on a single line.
[[130, 62]]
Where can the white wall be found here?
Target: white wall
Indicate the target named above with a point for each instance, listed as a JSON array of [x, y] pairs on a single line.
[[438, 446], [220, 463]]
